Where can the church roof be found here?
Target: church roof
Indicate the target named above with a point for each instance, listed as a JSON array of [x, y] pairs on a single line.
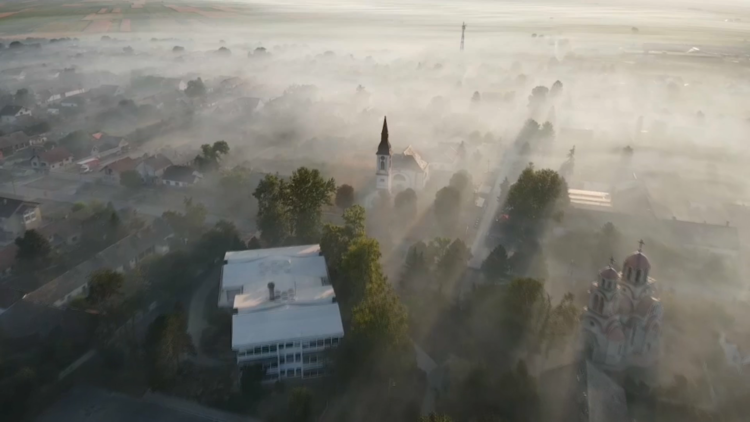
[[637, 261], [409, 160], [384, 148]]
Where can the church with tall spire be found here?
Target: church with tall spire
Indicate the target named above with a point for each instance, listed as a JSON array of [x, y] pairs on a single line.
[[399, 171], [622, 323]]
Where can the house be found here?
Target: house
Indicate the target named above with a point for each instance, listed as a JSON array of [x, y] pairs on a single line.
[[10, 113], [54, 159], [580, 392], [62, 234], [105, 145], [114, 170], [17, 216], [286, 314], [153, 167], [122, 256], [73, 102], [180, 176], [13, 142]]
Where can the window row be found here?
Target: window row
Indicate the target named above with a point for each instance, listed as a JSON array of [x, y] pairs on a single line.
[[290, 358], [272, 348], [290, 373], [321, 343]]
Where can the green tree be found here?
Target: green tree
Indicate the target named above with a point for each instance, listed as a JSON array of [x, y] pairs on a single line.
[[307, 193], [251, 381], [448, 208], [300, 405], [451, 266], [462, 182], [131, 179], [496, 267], [417, 272], [195, 88], [536, 196], [78, 143], [189, 224], [360, 266], [336, 240], [33, 249], [344, 196], [166, 342], [405, 205], [434, 417], [104, 285], [210, 155], [213, 244], [538, 97], [273, 217]]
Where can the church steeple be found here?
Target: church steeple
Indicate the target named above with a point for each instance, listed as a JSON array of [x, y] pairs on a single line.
[[384, 148]]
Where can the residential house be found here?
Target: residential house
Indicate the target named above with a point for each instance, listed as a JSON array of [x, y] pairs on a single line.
[[17, 216], [286, 314], [54, 159], [180, 176], [153, 167], [73, 102], [122, 256], [13, 142], [62, 234], [105, 145], [114, 170], [10, 113]]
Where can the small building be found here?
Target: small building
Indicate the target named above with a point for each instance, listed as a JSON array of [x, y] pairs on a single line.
[[286, 310], [54, 159], [180, 176], [17, 216], [153, 167], [10, 113], [114, 170], [104, 145], [16, 141]]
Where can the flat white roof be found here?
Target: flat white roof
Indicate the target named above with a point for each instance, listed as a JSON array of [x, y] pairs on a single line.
[[258, 297], [239, 272], [299, 251], [286, 322]]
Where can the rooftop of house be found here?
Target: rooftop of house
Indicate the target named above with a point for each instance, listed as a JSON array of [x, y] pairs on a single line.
[[157, 162], [122, 165], [184, 174], [284, 322], [12, 139], [61, 230], [10, 110], [10, 206], [113, 257], [409, 160], [262, 265], [55, 155]]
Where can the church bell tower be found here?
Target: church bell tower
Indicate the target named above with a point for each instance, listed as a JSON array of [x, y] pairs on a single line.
[[383, 172]]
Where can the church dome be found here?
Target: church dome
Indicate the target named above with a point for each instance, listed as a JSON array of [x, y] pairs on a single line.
[[608, 273], [637, 261]]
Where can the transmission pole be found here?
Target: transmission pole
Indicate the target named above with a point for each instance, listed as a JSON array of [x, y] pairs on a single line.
[[463, 31]]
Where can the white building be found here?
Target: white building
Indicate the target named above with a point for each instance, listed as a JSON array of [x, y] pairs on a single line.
[[397, 172], [622, 324], [286, 314]]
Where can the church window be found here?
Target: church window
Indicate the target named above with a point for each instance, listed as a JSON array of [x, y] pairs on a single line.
[[638, 276], [382, 163], [630, 273], [601, 305]]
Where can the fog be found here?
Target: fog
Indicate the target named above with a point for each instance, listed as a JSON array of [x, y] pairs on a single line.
[[308, 83]]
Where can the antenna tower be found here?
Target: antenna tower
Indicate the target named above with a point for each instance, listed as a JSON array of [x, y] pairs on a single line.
[[463, 31]]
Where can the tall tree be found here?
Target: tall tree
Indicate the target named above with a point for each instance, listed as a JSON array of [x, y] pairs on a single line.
[[537, 195], [223, 237], [360, 266], [300, 405], [344, 196], [273, 215], [189, 224], [195, 88], [417, 272], [451, 266], [104, 285], [448, 208], [307, 193], [336, 240], [210, 155], [33, 249], [496, 267], [462, 182], [405, 205], [166, 342]]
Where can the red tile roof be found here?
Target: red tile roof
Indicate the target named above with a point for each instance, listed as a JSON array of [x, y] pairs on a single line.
[[123, 165], [55, 155]]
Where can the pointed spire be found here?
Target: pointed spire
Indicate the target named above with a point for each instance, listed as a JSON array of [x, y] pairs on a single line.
[[611, 262], [640, 245], [384, 148]]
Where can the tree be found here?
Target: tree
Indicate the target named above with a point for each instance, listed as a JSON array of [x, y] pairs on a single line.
[[451, 266], [190, 224], [78, 143], [538, 96], [434, 417], [476, 98], [210, 155], [104, 285], [462, 182], [15, 44], [417, 271], [213, 244], [344, 196], [448, 208], [178, 49], [37, 128], [547, 132], [254, 244], [195, 88], [306, 195], [273, 218], [405, 205], [360, 266], [166, 341], [300, 405], [77, 206], [536, 196], [496, 267], [251, 381], [131, 179], [556, 90], [33, 248], [336, 240]]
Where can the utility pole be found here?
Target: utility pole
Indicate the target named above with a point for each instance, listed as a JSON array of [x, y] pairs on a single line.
[[463, 31]]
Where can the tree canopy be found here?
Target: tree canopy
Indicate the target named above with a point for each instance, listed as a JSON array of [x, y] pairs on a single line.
[[33, 248], [210, 155], [536, 196], [195, 88], [131, 179], [189, 224], [344, 196], [405, 205], [448, 208], [104, 285], [166, 342], [497, 266]]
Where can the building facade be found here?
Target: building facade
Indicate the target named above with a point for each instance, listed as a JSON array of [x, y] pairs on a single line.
[[622, 322], [397, 172]]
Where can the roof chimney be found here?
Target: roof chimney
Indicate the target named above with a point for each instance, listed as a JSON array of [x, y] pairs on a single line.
[[271, 291]]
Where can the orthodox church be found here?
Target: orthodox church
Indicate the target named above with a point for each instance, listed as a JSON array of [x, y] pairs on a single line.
[[397, 172], [622, 323]]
